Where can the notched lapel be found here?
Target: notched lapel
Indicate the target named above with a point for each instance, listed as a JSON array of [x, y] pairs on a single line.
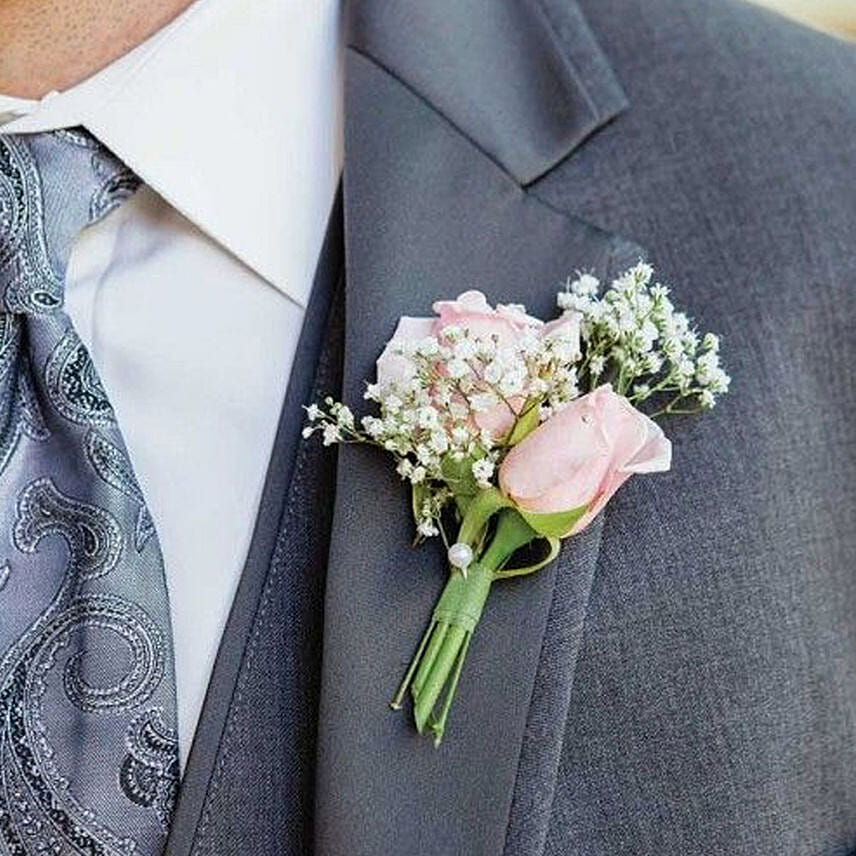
[[428, 214], [526, 82]]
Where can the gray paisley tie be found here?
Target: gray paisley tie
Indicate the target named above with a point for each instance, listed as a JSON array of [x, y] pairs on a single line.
[[88, 747]]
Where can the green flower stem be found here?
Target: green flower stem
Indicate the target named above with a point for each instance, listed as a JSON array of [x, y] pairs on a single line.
[[479, 511], [398, 700], [439, 726], [438, 634], [442, 669]]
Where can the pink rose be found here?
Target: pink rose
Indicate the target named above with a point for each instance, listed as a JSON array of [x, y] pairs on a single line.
[[395, 368], [582, 455], [472, 313]]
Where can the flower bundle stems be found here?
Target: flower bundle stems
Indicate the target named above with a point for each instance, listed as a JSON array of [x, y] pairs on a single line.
[[436, 668]]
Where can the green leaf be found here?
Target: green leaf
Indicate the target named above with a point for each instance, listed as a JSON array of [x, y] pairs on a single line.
[[526, 423], [458, 476], [553, 546], [479, 512], [555, 525]]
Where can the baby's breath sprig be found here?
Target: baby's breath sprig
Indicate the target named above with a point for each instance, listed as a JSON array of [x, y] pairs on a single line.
[[635, 339]]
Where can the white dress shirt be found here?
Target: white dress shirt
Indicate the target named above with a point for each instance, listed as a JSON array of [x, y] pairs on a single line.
[[191, 295]]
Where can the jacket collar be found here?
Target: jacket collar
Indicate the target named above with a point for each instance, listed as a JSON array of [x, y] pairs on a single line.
[[524, 80], [450, 108]]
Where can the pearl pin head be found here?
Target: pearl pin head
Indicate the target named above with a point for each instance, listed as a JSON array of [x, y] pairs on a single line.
[[460, 556]]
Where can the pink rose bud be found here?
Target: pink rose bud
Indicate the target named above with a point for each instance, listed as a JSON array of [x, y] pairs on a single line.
[[582, 455]]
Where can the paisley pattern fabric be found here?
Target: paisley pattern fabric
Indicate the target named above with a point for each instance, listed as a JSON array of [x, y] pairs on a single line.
[[149, 775], [88, 745]]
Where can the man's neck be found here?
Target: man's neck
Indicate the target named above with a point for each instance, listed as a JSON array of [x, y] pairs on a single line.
[[51, 46]]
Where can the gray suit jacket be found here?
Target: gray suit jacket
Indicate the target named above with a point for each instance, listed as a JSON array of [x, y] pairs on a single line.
[[683, 679]]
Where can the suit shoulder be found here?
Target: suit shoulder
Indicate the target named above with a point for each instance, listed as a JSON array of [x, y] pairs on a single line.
[[726, 59]]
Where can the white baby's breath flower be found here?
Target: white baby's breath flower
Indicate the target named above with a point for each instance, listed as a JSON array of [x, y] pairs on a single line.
[[428, 347], [404, 468], [596, 365], [709, 361], [486, 350], [644, 304], [372, 392], [529, 343], [427, 528], [492, 372], [459, 410], [442, 394], [307, 432], [686, 367], [649, 334], [564, 347], [690, 340], [512, 380], [720, 382], [425, 455], [331, 435], [439, 442], [586, 285], [483, 471], [570, 302], [464, 350], [372, 426], [482, 402], [672, 348], [539, 386], [652, 362], [707, 399], [417, 475], [457, 368], [642, 273], [622, 285], [626, 320], [426, 417], [345, 417], [461, 435], [313, 412]]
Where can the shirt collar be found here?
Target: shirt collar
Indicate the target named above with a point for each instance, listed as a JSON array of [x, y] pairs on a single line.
[[233, 114]]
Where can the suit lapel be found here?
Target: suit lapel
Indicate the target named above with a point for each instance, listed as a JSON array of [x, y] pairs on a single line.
[[450, 108]]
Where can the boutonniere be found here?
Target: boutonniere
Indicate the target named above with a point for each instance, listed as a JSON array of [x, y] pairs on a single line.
[[514, 434]]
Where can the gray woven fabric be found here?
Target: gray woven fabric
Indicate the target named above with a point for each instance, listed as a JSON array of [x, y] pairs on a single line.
[[88, 746]]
